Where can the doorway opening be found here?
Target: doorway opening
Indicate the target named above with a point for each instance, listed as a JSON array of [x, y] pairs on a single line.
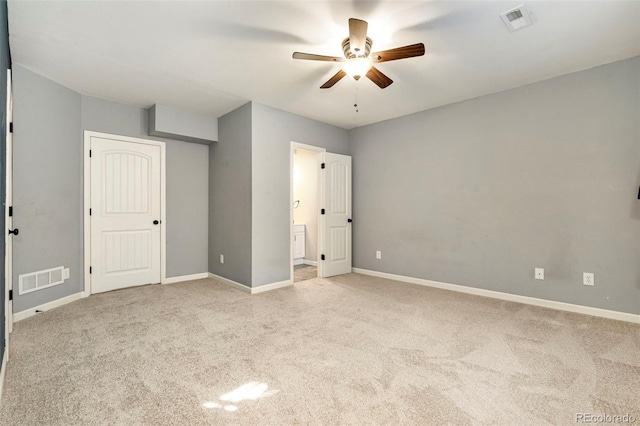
[[305, 222], [320, 199]]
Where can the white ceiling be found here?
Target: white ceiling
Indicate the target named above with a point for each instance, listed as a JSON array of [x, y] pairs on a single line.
[[213, 56]]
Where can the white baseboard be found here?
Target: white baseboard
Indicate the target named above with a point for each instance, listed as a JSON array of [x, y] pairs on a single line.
[[186, 278], [3, 370], [297, 262], [552, 304], [272, 286], [250, 290], [230, 282], [19, 316], [310, 262]]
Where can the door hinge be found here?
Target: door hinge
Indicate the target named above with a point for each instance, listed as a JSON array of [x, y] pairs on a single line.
[[11, 127], [89, 153], [89, 212], [90, 269], [10, 211], [10, 294], [322, 166], [322, 257], [321, 211]]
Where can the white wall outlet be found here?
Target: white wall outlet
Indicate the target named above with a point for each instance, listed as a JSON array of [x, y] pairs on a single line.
[[65, 274], [222, 258], [588, 278], [539, 273], [378, 254]]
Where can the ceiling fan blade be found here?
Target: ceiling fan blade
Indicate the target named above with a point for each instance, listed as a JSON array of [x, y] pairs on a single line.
[[357, 35], [333, 80], [398, 53], [378, 78], [312, 57]]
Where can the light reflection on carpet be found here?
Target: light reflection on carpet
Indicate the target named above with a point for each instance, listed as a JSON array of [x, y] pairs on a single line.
[[251, 391]]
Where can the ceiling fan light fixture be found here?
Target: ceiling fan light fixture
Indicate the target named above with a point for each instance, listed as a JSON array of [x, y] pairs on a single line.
[[357, 67], [360, 65]]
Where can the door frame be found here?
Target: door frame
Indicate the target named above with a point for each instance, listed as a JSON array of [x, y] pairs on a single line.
[[320, 193], [88, 134]]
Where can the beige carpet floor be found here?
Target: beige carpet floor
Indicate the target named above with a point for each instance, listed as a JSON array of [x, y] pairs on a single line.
[[304, 272], [346, 350]]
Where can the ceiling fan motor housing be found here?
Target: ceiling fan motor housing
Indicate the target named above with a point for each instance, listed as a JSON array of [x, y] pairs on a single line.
[[346, 48]]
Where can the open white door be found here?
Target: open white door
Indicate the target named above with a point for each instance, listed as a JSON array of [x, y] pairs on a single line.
[[8, 214], [125, 214], [336, 220]]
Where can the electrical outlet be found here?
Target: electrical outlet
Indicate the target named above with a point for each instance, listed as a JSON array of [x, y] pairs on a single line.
[[539, 273], [378, 254], [588, 278], [65, 274], [222, 258]]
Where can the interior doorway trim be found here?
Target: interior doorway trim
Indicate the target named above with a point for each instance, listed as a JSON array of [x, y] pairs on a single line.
[[87, 202], [318, 150]]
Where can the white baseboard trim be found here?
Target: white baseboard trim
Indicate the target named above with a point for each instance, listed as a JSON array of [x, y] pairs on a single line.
[[272, 286], [297, 262], [3, 370], [181, 278], [230, 282], [552, 304], [19, 316], [251, 290], [310, 262]]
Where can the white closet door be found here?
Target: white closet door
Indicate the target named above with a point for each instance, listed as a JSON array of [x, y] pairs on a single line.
[[336, 177], [125, 214], [8, 216]]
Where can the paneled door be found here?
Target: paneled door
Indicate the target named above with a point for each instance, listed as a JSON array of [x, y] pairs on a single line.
[[336, 180], [125, 214], [6, 179]]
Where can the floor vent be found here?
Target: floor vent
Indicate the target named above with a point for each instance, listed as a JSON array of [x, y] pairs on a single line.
[[41, 279]]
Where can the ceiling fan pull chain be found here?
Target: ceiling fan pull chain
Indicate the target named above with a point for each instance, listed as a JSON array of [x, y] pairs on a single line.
[[355, 105]]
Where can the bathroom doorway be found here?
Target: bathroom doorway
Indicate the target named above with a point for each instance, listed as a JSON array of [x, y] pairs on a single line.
[[305, 212]]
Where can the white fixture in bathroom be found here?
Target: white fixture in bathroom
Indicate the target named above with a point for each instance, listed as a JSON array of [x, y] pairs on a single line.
[[298, 244]]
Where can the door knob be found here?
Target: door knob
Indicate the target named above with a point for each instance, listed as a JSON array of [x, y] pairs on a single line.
[[155, 222], [14, 232], [349, 220]]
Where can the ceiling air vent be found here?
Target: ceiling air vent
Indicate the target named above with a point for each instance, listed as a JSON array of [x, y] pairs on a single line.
[[517, 18]]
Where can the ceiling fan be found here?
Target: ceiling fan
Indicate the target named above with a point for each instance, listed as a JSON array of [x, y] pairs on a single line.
[[358, 59]]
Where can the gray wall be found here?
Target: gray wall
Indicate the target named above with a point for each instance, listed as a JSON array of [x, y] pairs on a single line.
[[480, 192], [48, 175], [273, 131], [187, 218], [182, 125], [47, 184], [230, 197]]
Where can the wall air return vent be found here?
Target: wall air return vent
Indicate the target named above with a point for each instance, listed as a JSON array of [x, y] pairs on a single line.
[[517, 18], [42, 279]]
